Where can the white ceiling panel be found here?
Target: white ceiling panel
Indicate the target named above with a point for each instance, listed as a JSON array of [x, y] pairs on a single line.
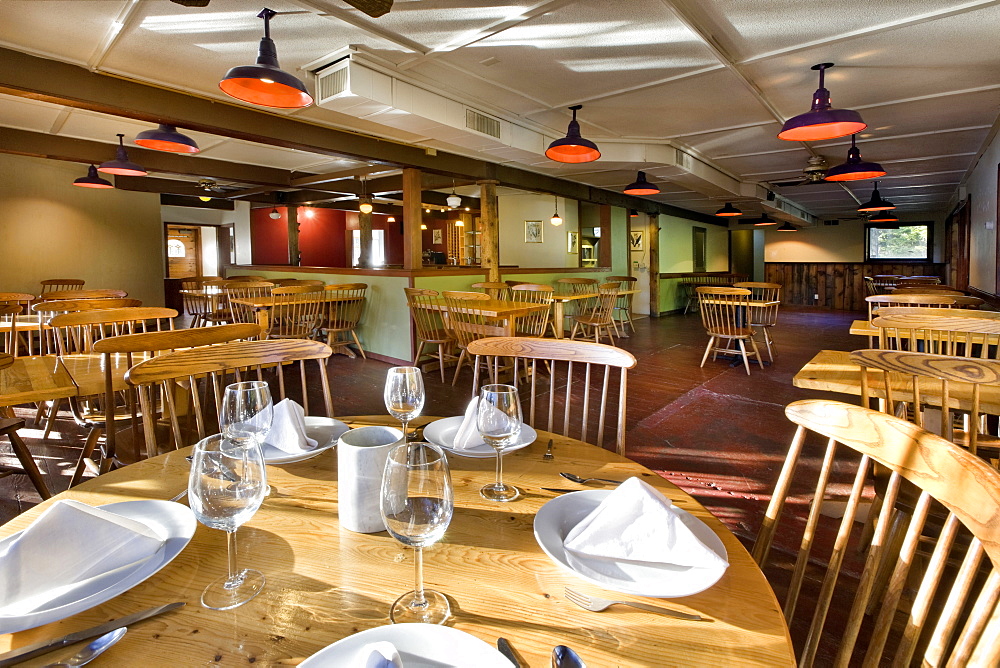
[[73, 29], [26, 114], [257, 154]]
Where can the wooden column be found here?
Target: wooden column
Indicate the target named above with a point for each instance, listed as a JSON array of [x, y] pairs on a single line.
[[294, 258], [604, 247], [365, 227], [653, 239], [490, 230], [412, 239]]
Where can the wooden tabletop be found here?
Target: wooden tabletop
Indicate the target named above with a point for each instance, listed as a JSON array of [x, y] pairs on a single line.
[[864, 328], [492, 308], [30, 379], [325, 583]]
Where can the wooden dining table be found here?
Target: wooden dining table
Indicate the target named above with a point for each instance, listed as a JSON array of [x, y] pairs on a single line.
[[325, 583], [505, 311], [262, 306], [50, 377]]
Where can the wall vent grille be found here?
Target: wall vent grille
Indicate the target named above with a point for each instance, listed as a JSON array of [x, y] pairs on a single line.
[[482, 123], [334, 83]]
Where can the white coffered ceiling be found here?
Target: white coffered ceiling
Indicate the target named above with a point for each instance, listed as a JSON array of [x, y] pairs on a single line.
[[714, 78]]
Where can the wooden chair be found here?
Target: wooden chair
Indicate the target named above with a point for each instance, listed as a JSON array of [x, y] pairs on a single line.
[[83, 294], [220, 312], [585, 394], [201, 374], [956, 334], [535, 323], [296, 313], [871, 287], [430, 327], [8, 428], [952, 618], [624, 303], [23, 324], [765, 317], [48, 309], [885, 281], [908, 281], [880, 301], [576, 286], [495, 289], [289, 282], [345, 305], [599, 319], [248, 277], [725, 316], [244, 290], [59, 284], [8, 327], [467, 322]]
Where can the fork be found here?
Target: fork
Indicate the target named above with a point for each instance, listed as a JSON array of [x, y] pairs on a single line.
[[548, 451], [582, 481], [595, 604]]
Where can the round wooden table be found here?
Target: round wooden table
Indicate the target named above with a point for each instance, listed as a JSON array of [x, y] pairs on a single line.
[[325, 583]]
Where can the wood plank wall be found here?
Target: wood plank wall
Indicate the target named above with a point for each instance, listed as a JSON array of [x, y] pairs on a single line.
[[839, 284]]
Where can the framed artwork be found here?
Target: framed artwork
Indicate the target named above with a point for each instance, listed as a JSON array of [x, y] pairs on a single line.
[[437, 237], [635, 240], [573, 243], [532, 231]]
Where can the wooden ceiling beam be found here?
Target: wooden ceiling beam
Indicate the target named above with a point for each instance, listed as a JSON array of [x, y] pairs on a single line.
[[314, 179]]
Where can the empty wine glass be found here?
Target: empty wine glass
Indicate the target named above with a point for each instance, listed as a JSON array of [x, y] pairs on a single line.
[[404, 394], [226, 487], [499, 422], [246, 412], [416, 505]]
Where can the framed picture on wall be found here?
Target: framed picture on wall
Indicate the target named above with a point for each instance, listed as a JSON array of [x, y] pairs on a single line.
[[635, 240], [437, 237], [532, 231], [573, 243]]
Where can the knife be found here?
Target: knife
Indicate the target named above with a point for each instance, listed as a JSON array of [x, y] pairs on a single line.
[[504, 646], [43, 646], [559, 490]]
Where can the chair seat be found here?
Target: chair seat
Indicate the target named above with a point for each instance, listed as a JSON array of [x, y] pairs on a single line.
[[438, 336], [591, 320], [732, 332], [339, 326]]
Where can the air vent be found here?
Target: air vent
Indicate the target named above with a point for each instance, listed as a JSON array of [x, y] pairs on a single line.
[[482, 123], [682, 159], [333, 83]]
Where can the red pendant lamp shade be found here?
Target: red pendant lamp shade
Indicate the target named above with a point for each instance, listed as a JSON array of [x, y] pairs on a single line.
[[883, 217], [728, 211], [121, 165], [92, 180], [641, 186], [166, 138], [787, 227], [573, 148], [764, 220], [822, 122], [266, 84], [855, 169], [876, 203]]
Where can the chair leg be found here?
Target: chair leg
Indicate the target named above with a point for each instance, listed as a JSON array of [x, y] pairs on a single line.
[[420, 349], [743, 352], [87, 454], [708, 349], [756, 351], [51, 419], [767, 342], [358, 344], [26, 460], [458, 367]]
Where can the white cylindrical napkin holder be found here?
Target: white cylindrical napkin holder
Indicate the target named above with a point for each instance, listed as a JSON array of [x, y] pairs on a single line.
[[361, 455]]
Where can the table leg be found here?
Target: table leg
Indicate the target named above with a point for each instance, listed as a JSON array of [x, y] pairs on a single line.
[[557, 319], [263, 320]]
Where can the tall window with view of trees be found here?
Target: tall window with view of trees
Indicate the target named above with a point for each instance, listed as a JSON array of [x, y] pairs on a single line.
[[899, 242]]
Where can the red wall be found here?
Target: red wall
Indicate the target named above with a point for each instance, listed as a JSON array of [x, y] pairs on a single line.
[[268, 238], [322, 237]]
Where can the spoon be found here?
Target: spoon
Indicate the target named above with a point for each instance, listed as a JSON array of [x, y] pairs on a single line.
[[564, 657], [577, 479], [92, 650]]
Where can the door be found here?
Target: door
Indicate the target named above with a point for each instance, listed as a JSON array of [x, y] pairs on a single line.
[[183, 251]]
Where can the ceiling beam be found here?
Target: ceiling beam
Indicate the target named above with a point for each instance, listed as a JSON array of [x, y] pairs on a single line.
[[313, 179], [150, 184], [37, 78]]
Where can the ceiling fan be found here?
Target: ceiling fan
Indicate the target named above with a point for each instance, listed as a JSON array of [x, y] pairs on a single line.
[[813, 172], [211, 186], [373, 8]]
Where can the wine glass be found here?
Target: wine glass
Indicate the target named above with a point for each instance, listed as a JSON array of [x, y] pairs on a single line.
[[246, 413], [226, 487], [499, 422], [404, 394], [416, 505]]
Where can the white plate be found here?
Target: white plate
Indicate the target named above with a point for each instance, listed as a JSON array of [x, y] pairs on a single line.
[[442, 432], [554, 520], [173, 522], [325, 430], [419, 646]]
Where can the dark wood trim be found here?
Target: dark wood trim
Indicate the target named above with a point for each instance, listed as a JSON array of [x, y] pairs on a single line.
[[192, 202], [929, 224], [991, 298], [840, 285], [444, 270]]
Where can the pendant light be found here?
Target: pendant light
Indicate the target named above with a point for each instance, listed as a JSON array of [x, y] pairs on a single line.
[[266, 84], [274, 215], [556, 219], [855, 169], [883, 217], [764, 220], [205, 199], [366, 204], [787, 227], [876, 203], [92, 180], [728, 211], [822, 122], [641, 186], [453, 200], [121, 164], [573, 148], [166, 138]]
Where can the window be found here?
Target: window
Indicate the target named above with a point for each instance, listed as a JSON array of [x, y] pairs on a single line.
[[378, 248], [895, 241]]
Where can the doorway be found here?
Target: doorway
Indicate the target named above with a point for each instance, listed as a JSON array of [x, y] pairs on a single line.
[[183, 251]]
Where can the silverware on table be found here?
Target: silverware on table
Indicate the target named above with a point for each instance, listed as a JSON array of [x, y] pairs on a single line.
[[43, 646], [595, 604], [504, 646], [93, 649], [559, 490], [548, 451], [178, 497], [564, 657], [577, 479]]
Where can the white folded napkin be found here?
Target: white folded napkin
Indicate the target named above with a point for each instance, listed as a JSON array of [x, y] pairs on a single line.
[[72, 549], [288, 429], [380, 655], [467, 435], [637, 523]]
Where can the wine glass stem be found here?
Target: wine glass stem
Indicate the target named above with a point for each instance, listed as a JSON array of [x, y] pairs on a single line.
[[405, 422], [418, 587], [499, 468], [235, 577]]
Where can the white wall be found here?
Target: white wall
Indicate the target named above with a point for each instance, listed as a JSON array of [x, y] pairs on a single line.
[[209, 236], [982, 186], [513, 210], [52, 229], [826, 243], [676, 245]]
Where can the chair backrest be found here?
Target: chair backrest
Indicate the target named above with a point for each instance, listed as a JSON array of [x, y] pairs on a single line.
[[345, 305], [724, 311], [946, 312], [8, 316], [287, 282], [877, 302], [954, 335], [296, 311], [604, 303], [917, 280], [248, 277], [73, 305], [763, 316], [201, 374], [22, 298], [427, 321], [245, 290], [534, 323], [584, 395], [466, 317], [77, 332], [495, 289], [928, 290], [83, 294], [575, 286], [57, 284], [871, 287], [968, 488]]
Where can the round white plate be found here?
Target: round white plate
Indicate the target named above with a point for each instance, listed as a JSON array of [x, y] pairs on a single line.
[[554, 520], [174, 522], [442, 432], [325, 430], [419, 646]]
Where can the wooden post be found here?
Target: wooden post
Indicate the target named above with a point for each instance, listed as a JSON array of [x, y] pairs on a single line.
[[293, 235], [653, 239], [604, 248], [365, 228], [490, 230], [412, 239]]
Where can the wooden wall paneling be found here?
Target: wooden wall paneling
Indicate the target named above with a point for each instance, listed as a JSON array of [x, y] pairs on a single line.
[[840, 285]]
